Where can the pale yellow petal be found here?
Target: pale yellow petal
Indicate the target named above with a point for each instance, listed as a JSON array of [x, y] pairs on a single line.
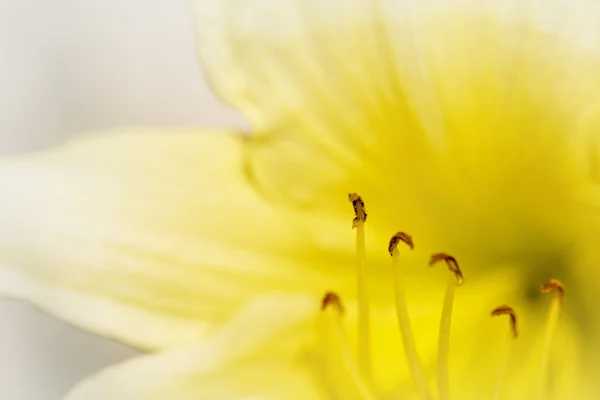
[[441, 114], [259, 355], [272, 350], [151, 237]]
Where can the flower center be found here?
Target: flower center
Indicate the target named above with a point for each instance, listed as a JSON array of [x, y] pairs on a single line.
[[360, 368]]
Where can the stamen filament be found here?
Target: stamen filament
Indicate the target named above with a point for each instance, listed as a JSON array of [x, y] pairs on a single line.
[[552, 320], [503, 366], [454, 279], [408, 340], [444, 339], [512, 335], [364, 318], [333, 306]]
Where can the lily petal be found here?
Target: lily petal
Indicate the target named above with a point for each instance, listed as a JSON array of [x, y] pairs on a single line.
[[411, 102], [225, 366], [271, 350], [148, 237]]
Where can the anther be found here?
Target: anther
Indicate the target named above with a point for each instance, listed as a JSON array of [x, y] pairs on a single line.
[[360, 212], [333, 300], [397, 238], [507, 310], [557, 286], [451, 263]]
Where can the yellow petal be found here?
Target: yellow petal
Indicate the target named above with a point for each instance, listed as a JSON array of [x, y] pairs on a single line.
[[226, 366], [465, 114], [270, 351], [149, 237]]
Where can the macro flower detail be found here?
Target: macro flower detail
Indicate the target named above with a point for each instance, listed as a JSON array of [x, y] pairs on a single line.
[[470, 125], [359, 369], [507, 310]]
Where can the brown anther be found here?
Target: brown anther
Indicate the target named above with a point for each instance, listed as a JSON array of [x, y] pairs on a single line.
[[360, 212], [332, 299], [450, 262], [507, 310], [555, 284], [400, 237]]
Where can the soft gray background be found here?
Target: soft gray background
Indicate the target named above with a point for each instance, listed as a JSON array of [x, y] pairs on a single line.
[[70, 66]]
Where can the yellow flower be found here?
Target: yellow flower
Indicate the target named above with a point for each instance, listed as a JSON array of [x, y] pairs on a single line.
[[472, 127]]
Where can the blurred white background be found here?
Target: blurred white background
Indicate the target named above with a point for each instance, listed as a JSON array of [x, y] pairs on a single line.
[[71, 66]]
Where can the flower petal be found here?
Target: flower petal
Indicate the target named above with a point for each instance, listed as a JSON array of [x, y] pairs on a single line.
[[464, 113], [149, 237], [318, 82], [253, 357], [269, 348]]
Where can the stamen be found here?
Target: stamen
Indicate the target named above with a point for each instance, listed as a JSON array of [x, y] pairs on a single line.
[[454, 279], [364, 319], [555, 284], [512, 334], [397, 238], [331, 302], [552, 320], [507, 310], [403, 319], [451, 263], [360, 212]]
